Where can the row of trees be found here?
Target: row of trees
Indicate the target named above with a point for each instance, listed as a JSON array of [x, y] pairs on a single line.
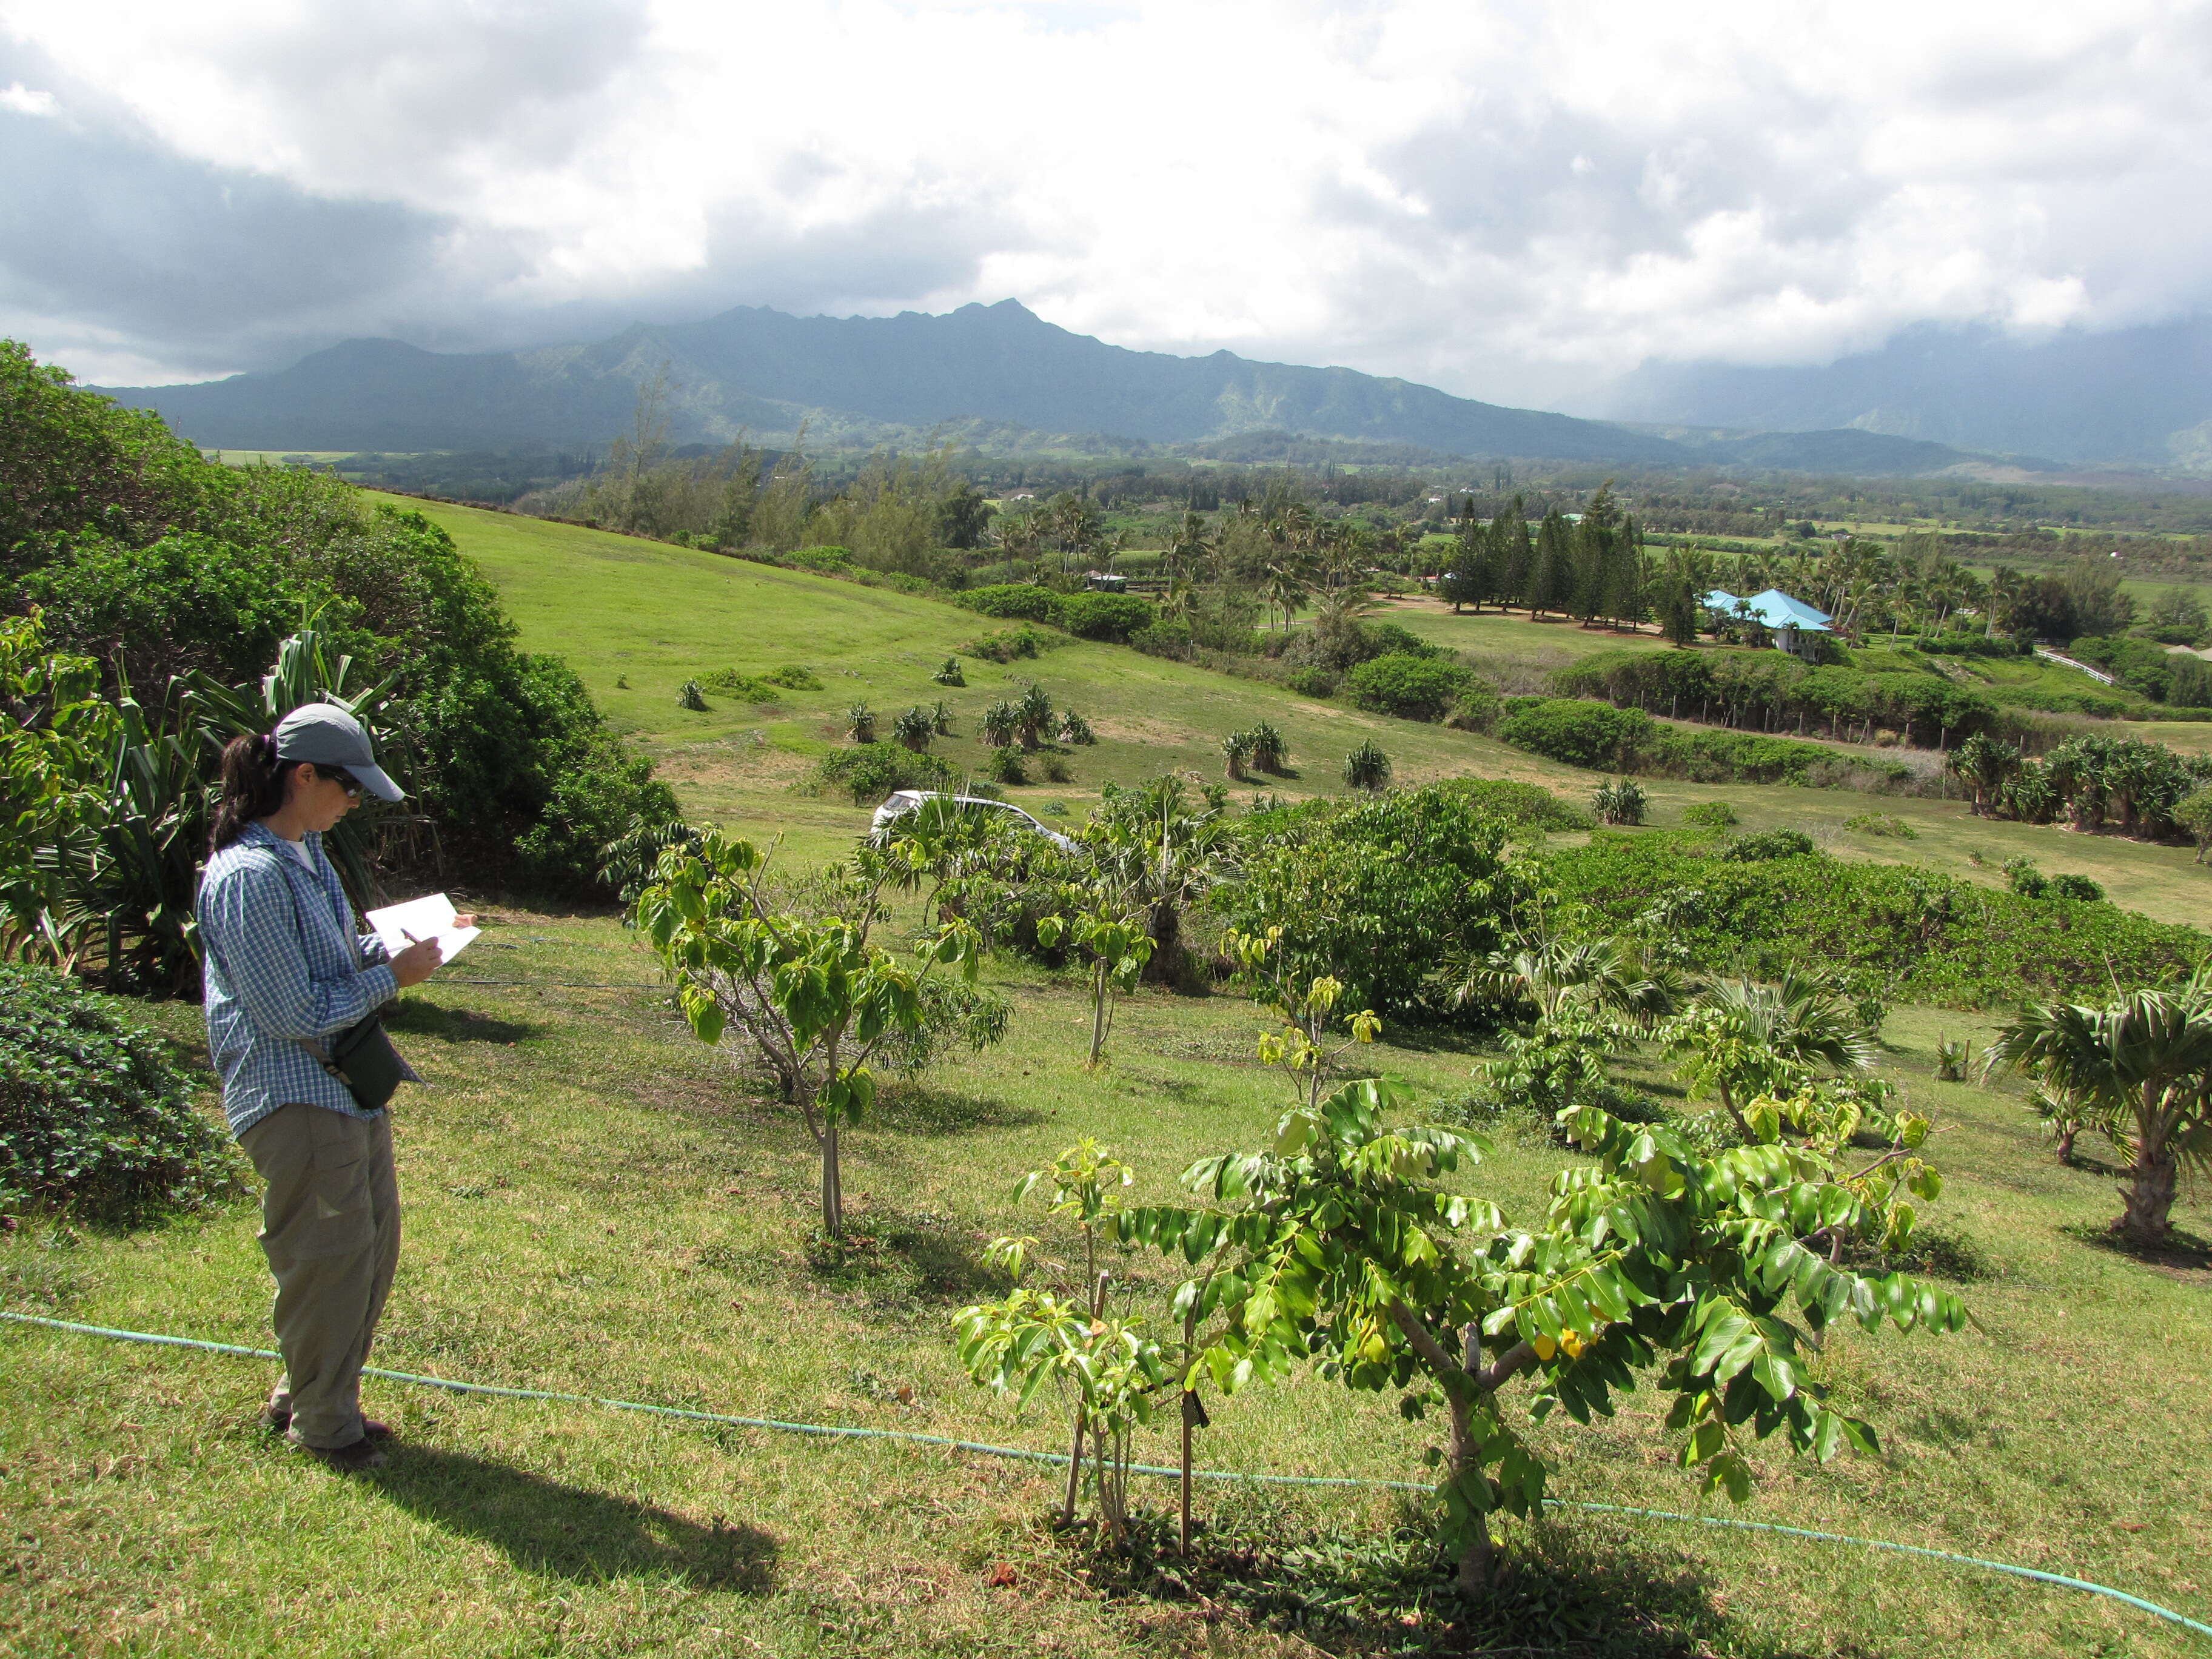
[[1772, 691]]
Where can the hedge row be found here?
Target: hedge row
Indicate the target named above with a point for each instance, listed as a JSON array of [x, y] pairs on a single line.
[[1582, 732], [1912, 933]]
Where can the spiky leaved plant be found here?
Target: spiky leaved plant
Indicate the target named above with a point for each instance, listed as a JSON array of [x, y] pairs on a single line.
[[1367, 767], [914, 729]]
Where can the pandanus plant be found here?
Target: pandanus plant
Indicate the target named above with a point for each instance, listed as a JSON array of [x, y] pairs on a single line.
[[1269, 752], [1367, 767], [997, 728], [1032, 715], [2142, 1064], [914, 729]]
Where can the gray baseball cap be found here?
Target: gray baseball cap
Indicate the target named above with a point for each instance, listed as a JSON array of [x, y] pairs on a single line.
[[327, 735]]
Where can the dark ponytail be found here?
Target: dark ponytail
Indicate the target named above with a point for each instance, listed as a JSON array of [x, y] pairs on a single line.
[[252, 787]]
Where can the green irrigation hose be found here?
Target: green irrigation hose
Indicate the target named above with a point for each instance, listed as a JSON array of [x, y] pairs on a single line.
[[832, 1433]]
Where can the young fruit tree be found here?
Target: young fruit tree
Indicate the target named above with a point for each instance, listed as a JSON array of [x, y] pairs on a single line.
[[1110, 1365], [813, 994], [1654, 1262]]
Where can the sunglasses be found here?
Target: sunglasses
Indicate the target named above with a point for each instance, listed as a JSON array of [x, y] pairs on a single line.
[[343, 779]]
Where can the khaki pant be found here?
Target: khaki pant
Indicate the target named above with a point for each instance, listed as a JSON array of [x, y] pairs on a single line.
[[330, 1226]]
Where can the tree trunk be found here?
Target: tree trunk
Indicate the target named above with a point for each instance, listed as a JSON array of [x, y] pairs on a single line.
[[1074, 1471], [1477, 1562], [2149, 1194], [2066, 1145], [1097, 1015], [833, 1189], [1727, 1100]]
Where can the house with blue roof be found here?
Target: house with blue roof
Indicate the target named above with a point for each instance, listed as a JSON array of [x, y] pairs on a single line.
[[1796, 626]]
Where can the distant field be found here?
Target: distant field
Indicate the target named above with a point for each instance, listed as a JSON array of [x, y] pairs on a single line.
[[619, 608]]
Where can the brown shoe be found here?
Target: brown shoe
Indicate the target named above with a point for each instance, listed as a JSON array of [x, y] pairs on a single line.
[[350, 1459], [277, 1421]]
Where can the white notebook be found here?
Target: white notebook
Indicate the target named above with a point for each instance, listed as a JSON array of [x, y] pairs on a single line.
[[401, 924]]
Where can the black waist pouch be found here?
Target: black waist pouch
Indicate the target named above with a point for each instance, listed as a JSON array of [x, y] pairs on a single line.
[[362, 1058]]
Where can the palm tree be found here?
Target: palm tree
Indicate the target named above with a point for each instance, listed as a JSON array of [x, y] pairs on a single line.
[[2146, 1059], [1286, 590], [997, 728], [1188, 548], [1741, 1037]]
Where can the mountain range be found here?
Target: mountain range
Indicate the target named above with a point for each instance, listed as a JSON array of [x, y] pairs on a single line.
[[999, 369], [2135, 397]]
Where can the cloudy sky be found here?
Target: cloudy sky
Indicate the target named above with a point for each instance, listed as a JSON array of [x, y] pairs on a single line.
[[1515, 202]]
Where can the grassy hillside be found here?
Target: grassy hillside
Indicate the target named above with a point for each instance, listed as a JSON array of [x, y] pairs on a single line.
[[621, 608]]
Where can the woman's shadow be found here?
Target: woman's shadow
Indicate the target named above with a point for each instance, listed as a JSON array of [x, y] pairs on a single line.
[[566, 1532]]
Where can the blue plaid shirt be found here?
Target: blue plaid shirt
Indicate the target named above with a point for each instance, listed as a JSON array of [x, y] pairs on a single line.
[[282, 967]]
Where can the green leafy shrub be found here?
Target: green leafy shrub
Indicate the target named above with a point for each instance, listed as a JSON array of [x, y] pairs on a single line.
[[1113, 616], [1409, 687], [729, 682], [1476, 709], [1012, 602], [1582, 732], [872, 771], [1004, 766], [1577, 731], [1376, 892], [1170, 640], [1529, 805], [1771, 844], [1882, 823], [94, 1116], [793, 677], [1711, 815], [157, 561], [2076, 887], [1010, 647], [1312, 683]]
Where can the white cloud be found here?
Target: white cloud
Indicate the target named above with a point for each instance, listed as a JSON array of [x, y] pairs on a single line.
[[27, 101], [1510, 200]]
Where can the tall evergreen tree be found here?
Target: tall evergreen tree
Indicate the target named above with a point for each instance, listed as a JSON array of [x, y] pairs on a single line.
[[1512, 554], [1678, 601], [1625, 600], [1593, 554], [1551, 579]]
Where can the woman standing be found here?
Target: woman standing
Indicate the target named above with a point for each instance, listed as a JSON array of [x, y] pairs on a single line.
[[285, 975]]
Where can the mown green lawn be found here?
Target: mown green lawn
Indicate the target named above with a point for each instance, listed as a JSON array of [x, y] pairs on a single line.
[[599, 1204]]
